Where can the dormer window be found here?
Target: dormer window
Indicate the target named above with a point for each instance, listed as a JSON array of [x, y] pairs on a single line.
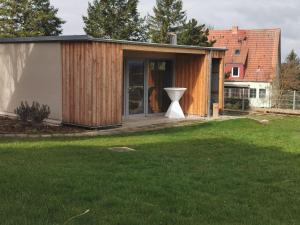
[[237, 52], [235, 72]]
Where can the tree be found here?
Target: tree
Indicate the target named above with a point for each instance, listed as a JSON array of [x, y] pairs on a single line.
[[168, 17], [289, 79], [43, 19], [24, 18], [115, 19], [290, 72], [194, 34]]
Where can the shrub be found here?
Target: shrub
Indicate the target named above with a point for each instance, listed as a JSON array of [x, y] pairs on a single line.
[[23, 111], [39, 112], [35, 113]]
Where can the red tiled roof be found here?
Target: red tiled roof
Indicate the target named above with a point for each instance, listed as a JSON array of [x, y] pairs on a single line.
[[259, 51]]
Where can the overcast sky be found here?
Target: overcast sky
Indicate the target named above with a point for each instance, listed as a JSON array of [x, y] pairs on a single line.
[[221, 14]]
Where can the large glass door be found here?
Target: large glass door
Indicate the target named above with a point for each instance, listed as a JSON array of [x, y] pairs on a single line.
[[135, 87], [145, 81]]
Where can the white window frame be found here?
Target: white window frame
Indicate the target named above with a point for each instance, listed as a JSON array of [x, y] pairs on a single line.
[[255, 93], [259, 94], [238, 71]]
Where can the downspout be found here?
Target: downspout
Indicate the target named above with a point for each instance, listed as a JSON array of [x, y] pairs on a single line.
[[209, 83]]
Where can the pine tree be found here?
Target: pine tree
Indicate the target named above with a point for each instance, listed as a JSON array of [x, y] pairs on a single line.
[[115, 19], [194, 34], [43, 19], [9, 17], [24, 18], [168, 17]]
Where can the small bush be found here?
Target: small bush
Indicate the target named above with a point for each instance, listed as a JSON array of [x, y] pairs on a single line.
[[35, 113], [237, 104], [23, 111], [39, 112]]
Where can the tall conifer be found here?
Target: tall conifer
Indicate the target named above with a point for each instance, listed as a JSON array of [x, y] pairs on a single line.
[[24, 18], [168, 17], [115, 19]]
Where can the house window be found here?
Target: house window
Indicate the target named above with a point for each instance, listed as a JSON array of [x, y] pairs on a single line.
[[262, 93], [252, 92], [237, 52], [235, 72]]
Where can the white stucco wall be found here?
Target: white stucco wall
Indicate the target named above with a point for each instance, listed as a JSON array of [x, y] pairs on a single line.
[[31, 72], [256, 102]]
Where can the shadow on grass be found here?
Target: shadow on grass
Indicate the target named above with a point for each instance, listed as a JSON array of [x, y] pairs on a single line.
[[199, 181]]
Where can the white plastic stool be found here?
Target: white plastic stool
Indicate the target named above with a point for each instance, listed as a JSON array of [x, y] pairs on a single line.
[[175, 111]]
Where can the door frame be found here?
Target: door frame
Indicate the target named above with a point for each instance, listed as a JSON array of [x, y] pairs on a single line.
[[126, 86]]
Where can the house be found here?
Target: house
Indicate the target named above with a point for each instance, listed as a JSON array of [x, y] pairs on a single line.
[[99, 83], [252, 61]]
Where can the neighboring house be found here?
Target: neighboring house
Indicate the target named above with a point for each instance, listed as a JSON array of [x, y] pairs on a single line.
[[252, 61], [99, 83]]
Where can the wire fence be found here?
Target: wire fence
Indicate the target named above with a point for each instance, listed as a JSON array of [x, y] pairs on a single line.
[[286, 100], [244, 99]]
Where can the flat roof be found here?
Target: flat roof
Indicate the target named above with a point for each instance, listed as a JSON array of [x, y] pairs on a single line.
[[86, 38]]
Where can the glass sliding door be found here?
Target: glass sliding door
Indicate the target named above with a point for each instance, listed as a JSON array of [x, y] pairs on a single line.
[[135, 87], [145, 81], [159, 77]]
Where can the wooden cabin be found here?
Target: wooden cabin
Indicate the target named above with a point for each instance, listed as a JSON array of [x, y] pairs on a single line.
[[98, 83]]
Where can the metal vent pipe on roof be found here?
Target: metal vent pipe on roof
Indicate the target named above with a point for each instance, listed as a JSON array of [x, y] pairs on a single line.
[[173, 38]]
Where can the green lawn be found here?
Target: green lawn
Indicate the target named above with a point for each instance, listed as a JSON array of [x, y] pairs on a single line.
[[232, 172]]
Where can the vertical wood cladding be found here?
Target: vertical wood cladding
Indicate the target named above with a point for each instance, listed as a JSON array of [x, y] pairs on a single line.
[[192, 73], [92, 81], [92, 77]]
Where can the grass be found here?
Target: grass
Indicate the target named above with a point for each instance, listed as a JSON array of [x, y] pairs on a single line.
[[232, 172]]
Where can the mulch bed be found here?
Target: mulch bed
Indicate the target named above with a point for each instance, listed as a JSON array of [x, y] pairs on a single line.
[[14, 126]]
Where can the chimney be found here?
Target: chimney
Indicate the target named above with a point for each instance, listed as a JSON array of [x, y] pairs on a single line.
[[235, 29], [173, 38]]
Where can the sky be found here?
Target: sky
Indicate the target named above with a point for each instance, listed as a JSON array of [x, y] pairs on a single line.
[[219, 14]]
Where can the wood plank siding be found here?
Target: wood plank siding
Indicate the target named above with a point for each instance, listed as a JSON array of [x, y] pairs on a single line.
[[192, 73], [92, 80], [218, 54], [92, 77], [145, 48]]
